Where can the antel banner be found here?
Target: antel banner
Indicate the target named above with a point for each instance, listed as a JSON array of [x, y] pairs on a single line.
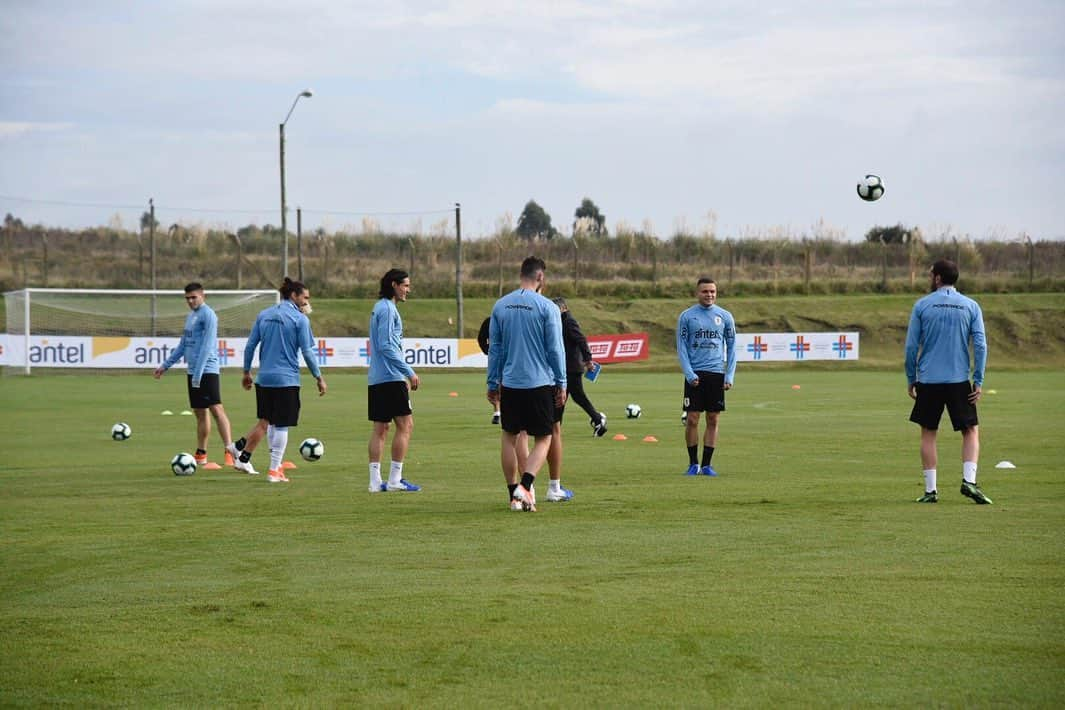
[[796, 347]]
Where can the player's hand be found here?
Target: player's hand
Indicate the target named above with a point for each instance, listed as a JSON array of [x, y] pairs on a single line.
[[560, 397], [912, 391], [415, 382], [245, 381], [590, 365], [728, 385], [158, 372], [974, 396], [321, 386], [493, 398], [694, 382]]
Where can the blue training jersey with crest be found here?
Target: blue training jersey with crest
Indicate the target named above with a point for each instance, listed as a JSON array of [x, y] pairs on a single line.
[[942, 325], [281, 332], [198, 344], [386, 345], [706, 339], [525, 347]]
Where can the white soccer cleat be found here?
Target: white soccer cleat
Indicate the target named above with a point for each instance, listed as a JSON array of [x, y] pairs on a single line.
[[559, 496], [245, 467], [524, 498]]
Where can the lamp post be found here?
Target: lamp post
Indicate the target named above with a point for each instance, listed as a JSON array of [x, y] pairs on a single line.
[[284, 208]]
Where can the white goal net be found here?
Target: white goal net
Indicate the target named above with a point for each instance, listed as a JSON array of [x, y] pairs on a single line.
[[70, 327]]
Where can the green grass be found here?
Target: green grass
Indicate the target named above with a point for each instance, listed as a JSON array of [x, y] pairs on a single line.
[[805, 575]]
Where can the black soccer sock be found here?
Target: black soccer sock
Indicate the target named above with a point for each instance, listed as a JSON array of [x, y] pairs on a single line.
[[527, 480], [201, 452], [693, 455], [708, 453], [512, 487], [240, 443], [245, 456]]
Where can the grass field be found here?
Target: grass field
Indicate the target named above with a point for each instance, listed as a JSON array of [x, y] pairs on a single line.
[[805, 575]]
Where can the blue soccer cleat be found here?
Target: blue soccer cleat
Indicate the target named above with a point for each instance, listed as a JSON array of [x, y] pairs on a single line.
[[708, 471], [693, 470], [403, 485]]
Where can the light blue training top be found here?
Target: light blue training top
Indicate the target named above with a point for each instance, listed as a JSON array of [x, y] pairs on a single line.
[[942, 325], [706, 340], [281, 332], [198, 344], [525, 343], [386, 345]]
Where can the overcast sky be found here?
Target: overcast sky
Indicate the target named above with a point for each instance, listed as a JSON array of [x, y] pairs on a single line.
[[764, 114]]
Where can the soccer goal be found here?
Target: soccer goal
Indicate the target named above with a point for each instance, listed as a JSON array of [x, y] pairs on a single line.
[[49, 327]]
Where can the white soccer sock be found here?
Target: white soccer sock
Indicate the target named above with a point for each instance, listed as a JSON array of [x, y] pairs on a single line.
[[968, 471], [395, 473], [375, 474], [554, 485], [270, 429], [929, 480], [278, 442]]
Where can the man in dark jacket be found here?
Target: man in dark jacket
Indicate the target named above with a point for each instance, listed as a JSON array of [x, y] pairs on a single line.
[[578, 361]]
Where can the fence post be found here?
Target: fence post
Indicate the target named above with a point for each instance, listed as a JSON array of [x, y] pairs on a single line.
[[458, 265], [299, 242], [151, 241], [240, 260], [1031, 260]]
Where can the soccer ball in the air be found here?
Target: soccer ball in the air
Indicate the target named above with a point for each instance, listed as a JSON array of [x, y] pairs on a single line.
[[311, 449], [121, 431], [183, 465], [871, 188], [633, 411]]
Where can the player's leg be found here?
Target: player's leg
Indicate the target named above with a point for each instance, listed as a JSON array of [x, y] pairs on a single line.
[[712, 386], [535, 413], [246, 445], [693, 406], [286, 409], [575, 389], [278, 439], [225, 431], [709, 444], [400, 444], [378, 436], [203, 431], [927, 411]]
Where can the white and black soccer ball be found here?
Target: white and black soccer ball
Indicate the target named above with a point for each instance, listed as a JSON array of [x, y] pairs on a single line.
[[183, 465], [633, 411], [121, 431], [871, 188], [311, 449]]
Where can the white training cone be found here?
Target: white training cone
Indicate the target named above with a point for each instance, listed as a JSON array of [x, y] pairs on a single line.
[[1004, 464]]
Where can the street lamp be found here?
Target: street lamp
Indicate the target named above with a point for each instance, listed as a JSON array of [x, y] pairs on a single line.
[[284, 208]]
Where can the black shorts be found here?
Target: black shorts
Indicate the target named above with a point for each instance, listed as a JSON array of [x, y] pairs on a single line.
[[529, 410], [208, 393], [388, 400], [278, 405], [928, 408], [708, 395]]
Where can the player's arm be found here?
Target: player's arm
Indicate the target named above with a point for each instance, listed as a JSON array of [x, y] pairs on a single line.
[[495, 359], [386, 348], [249, 354], [576, 335], [682, 350], [171, 359], [979, 338], [913, 343], [730, 344], [307, 348]]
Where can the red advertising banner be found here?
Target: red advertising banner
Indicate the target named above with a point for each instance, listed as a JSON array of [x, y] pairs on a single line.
[[626, 347]]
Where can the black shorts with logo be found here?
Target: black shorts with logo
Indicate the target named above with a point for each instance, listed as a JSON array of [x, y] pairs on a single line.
[[208, 393], [530, 410], [928, 408], [278, 405], [708, 395], [387, 400]]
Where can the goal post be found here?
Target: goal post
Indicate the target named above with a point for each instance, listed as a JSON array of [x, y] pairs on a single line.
[[52, 313]]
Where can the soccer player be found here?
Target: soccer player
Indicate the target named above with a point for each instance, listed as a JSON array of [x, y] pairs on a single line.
[[706, 335], [482, 341], [388, 396], [199, 347], [281, 333], [943, 325], [526, 376], [578, 361]]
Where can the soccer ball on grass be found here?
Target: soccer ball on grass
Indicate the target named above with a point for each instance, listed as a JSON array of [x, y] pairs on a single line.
[[633, 411], [183, 465], [311, 449], [121, 431], [871, 188]]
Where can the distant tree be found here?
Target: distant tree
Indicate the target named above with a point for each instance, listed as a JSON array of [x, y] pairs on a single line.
[[589, 220], [12, 222], [146, 222], [535, 223], [892, 235]]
